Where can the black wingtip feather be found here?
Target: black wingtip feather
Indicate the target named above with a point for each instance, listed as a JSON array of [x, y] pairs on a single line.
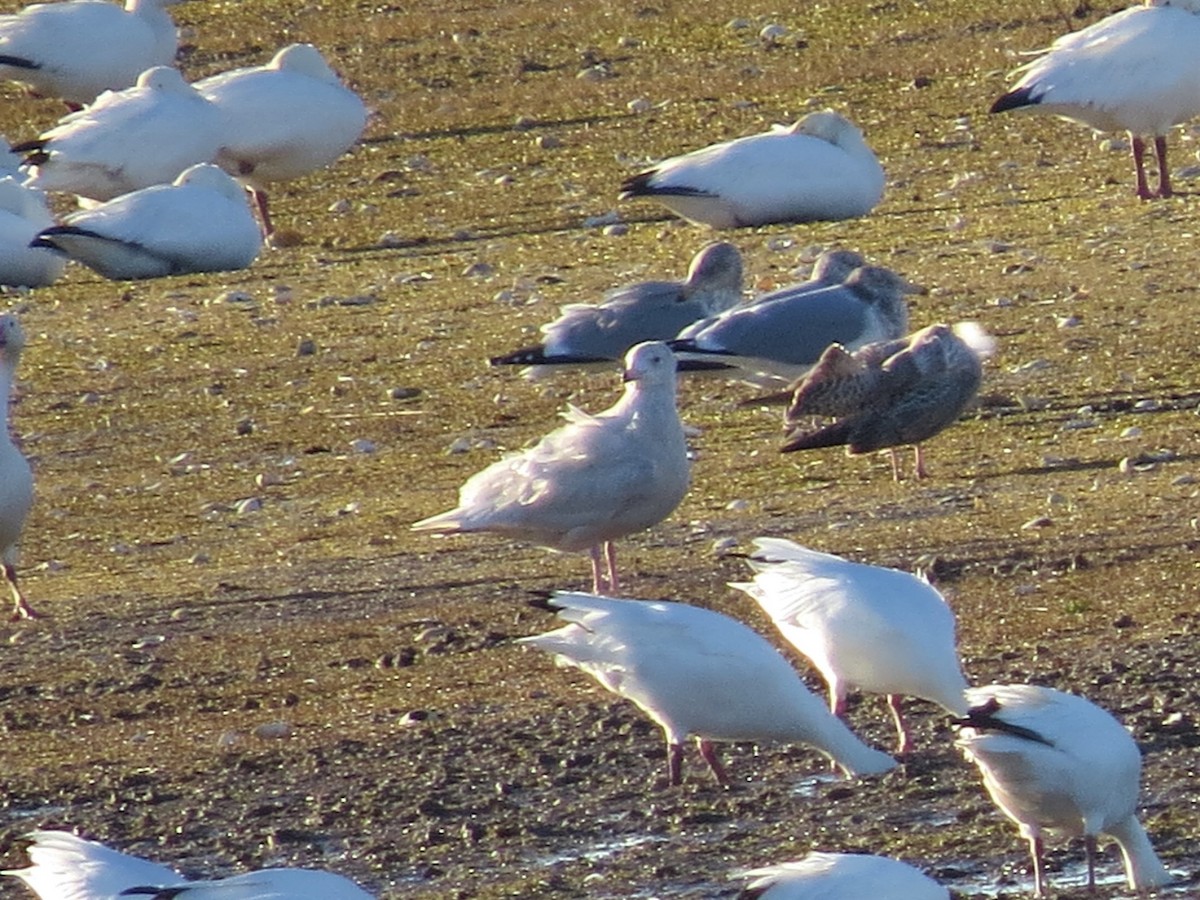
[[537, 356], [1014, 100], [19, 62]]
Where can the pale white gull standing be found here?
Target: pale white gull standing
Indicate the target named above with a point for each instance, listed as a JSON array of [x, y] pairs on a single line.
[[16, 478], [777, 338], [700, 674], [646, 311], [126, 140], [283, 120], [890, 393], [199, 223], [596, 479], [23, 213], [864, 627], [78, 49], [1056, 762], [818, 168], [66, 867], [841, 876], [1136, 70]]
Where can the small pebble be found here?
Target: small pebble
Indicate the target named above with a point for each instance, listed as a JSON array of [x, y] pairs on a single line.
[[306, 347], [270, 730], [248, 505], [1039, 522], [639, 106], [362, 445]]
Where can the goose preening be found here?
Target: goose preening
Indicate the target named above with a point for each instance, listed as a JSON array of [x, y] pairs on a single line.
[[201, 222], [818, 168], [890, 393], [1136, 71], [645, 311], [16, 478], [66, 867], [23, 213], [283, 120], [700, 674], [774, 339], [1056, 762], [596, 479], [78, 49], [127, 140], [864, 627], [841, 876]]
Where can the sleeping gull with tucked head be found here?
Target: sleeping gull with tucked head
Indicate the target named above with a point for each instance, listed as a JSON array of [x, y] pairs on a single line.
[[587, 334], [818, 168], [700, 674], [596, 479]]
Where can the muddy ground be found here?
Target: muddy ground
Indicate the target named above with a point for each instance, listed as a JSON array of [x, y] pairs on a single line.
[[249, 660]]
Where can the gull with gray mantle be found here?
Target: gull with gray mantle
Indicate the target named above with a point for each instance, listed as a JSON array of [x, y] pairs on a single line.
[[591, 335], [701, 674], [890, 393], [774, 339], [596, 479]]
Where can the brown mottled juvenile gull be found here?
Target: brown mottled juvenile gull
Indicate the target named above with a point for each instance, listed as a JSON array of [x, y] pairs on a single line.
[[701, 674], [588, 334], [1055, 762], [16, 478], [890, 393], [775, 339], [592, 481]]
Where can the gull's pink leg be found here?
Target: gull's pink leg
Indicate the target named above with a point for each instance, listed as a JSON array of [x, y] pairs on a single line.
[[674, 763], [906, 741], [610, 557], [709, 752], [1089, 846], [21, 607], [264, 214], [1139, 166], [1039, 873], [895, 463], [1164, 174], [598, 582], [919, 462]]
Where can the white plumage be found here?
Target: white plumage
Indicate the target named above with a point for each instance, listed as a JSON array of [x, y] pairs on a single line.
[[1080, 779], [646, 311], [818, 168], [127, 140], [841, 876], [594, 480], [864, 627], [16, 478], [1136, 71], [23, 213], [78, 49], [66, 867], [284, 119], [700, 674], [199, 223]]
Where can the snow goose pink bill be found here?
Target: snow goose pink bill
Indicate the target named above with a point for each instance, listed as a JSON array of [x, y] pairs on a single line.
[[819, 168], [588, 335], [890, 393], [201, 222], [64, 866], [127, 140], [16, 478], [78, 49], [1134, 71], [700, 674], [841, 876], [283, 120], [23, 213], [1055, 762], [864, 627], [596, 479]]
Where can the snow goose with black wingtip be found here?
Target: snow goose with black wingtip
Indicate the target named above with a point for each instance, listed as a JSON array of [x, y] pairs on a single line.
[[587, 334], [699, 673], [201, 222], [1053, 761], [23, 213], [818, 168], [841, 876], [78, 49], [127, 140], [1136, 71], [864, 627]]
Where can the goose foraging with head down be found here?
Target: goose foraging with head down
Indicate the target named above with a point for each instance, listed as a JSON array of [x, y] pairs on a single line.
[[1056, 762], [16, 478], [596, 479], [700, 674], [1136, 71], [819, 168]]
